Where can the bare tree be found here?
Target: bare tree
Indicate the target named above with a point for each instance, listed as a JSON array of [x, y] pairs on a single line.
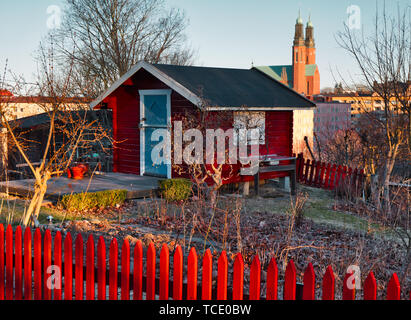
[[341, 147], [105, 38], [198, 168], [68, 118], [384, 62], [217, 167]]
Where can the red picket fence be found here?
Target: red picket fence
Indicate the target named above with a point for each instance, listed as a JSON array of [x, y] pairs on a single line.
[[328, 176], [23, 254]]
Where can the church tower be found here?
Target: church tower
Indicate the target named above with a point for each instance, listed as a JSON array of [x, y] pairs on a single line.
[[309, 42], [299, 57]]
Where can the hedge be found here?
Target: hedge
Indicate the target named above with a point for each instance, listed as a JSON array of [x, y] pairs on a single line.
[[175, 189], [93, 200]]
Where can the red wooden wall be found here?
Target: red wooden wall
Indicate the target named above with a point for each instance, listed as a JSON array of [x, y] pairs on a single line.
[[125, 103]]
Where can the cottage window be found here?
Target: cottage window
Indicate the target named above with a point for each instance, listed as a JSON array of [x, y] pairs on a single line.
[[250, 120]]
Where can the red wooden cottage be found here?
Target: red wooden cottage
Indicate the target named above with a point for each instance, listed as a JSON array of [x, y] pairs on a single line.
[[152, 96]]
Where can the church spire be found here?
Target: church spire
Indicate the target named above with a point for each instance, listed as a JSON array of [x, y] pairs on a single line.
[[299, 31], [309, 34], [299, 20]]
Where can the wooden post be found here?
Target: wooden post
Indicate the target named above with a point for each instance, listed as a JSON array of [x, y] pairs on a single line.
[[321, 179], [311, 176], [293, 183], [257, 183], [246, 188], [306, 171]]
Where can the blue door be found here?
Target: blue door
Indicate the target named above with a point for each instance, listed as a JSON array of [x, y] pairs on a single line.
[[154, 123]]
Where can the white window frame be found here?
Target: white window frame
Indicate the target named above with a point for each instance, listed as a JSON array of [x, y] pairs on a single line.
[[239, 123]]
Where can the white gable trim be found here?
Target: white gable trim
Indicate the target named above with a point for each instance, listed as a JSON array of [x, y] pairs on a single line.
[[193, 98]]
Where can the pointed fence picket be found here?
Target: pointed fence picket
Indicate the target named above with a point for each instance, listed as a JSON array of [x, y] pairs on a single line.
[[222, 277], [37, 264], [192, 266], [27, 263], [90, 290], [394, 290], [17, 261], [151, 272], [138, 272], [79, 283], [113, 269], [125, 270], [164, 272], [328, 284], [59, 266], [9, 263], [101, 269], [370, 287], [178, 274], [207, 279], [309, 283], [290, 280], [68, 267], [238, 277], [46, 265], [272, 280], [255, 279], [349, 287]]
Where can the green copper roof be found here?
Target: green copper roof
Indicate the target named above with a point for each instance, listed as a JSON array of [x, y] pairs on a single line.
[[276, 71], [310, 69]]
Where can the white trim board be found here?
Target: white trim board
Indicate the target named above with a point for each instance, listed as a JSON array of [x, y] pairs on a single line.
[[159, 75]]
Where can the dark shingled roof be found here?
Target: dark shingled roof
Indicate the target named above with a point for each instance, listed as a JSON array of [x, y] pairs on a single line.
[[224, 87], [44, 118]]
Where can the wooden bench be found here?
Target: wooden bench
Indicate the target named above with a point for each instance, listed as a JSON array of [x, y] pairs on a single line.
[[271, 163]]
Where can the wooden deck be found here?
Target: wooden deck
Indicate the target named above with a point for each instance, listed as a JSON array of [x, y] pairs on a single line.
[[137, 186]]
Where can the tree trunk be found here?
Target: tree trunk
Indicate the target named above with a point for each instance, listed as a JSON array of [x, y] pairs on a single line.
[[40, 199], [40, 190], [32, 206], [386, 177], [375, 192]]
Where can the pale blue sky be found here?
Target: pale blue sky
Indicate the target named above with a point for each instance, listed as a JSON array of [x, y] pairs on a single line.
[[225, 33]]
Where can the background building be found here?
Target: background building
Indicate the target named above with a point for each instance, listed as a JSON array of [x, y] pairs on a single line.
[[27, 106], [330, 117], [303, 74], [304, 77]]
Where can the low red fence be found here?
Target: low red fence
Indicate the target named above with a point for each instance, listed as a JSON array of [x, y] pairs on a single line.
[[328, 176], [42, 254]]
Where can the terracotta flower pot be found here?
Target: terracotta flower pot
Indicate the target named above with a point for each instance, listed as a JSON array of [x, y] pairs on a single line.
[[77, 173]]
